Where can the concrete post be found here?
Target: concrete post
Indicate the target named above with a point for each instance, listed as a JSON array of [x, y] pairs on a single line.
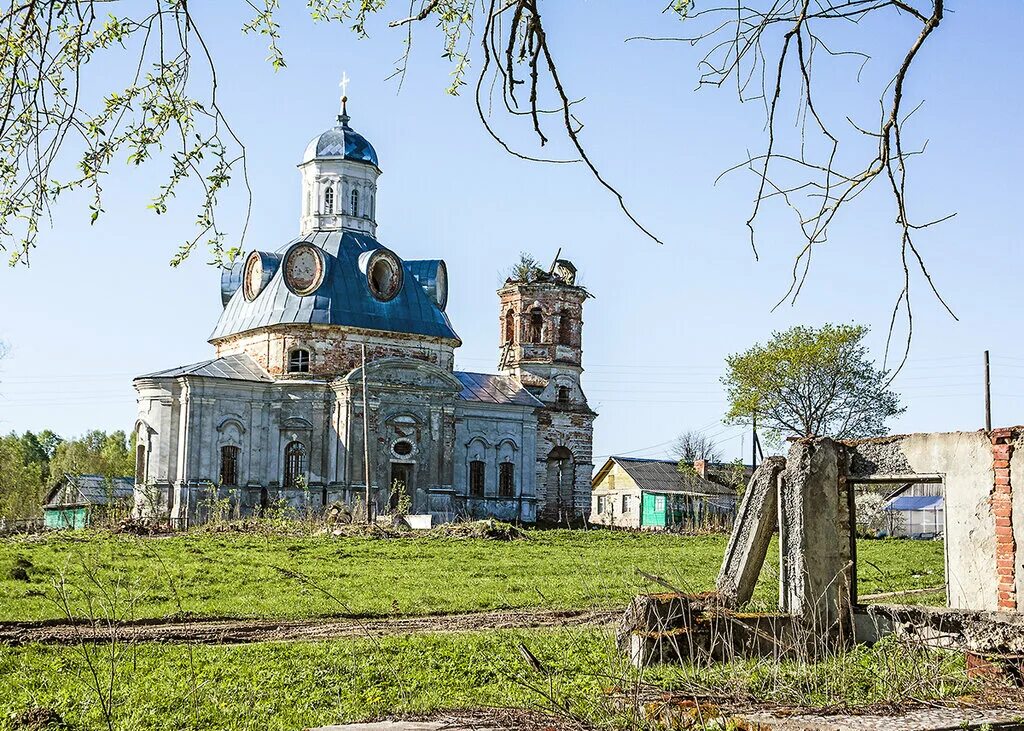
[[815, 569], [751, 534]]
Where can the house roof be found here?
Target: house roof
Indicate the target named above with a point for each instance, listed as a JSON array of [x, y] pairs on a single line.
[[916, 502], [238, 367], [90, 490], [493, 389], [663, 475]]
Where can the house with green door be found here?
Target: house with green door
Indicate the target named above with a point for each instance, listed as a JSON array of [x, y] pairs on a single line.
[[658, 494], [77, 500]]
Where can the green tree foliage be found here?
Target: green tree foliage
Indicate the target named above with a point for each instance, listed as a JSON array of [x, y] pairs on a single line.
[[21, 478], [811, 382], [32, 463], [527, 269], [96, 453]]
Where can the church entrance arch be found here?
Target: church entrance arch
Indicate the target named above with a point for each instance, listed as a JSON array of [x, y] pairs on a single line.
[[401, 483], [560, 475]]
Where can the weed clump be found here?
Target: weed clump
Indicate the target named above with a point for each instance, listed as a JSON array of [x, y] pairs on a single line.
[[37, 719], [19, 571], [491, 530]]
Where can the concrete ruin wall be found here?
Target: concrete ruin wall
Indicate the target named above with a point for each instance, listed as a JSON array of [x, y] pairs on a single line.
[[984, 514]]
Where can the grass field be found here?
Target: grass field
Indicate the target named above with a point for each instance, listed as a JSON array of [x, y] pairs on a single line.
[[286, 686], [233, 575], [289, 685]]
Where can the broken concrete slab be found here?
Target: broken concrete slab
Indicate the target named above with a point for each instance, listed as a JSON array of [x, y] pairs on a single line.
[[748, 544]]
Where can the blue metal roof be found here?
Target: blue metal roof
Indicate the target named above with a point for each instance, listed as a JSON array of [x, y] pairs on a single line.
[[341, 142], [432, 274], [343, 298], [915, 502], [492, 389]]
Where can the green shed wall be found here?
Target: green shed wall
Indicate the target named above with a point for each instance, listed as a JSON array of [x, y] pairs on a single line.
[[73, 518], [651, 516]]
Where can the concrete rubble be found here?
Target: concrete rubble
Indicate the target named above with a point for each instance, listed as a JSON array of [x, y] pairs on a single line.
[[808, 496]]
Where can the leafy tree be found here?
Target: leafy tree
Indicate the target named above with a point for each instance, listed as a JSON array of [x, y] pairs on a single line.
[[527, 269], [21, 479], [811, 382], [692, 445], [95, 453], [871, 513]]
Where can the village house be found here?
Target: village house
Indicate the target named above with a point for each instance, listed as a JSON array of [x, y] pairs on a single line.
[[655, 494], [276, 417], [78, 500]]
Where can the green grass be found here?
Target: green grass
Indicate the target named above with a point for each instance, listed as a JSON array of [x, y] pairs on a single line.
[[295, 685], [282, 686], [232, 575]]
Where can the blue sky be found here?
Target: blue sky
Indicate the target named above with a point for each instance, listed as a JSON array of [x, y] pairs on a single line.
[[100, 304]]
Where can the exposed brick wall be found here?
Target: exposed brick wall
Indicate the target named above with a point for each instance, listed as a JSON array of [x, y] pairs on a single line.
[[332, 350], [1002, 509], [575, 432], [557, 302]]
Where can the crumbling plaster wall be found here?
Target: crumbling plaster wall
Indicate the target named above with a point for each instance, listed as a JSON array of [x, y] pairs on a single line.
[[495, 434], [964, 460], [333, 350]]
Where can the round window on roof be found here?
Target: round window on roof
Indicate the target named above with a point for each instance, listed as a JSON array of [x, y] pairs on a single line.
[[384, 275], [303, 269], [402, 448]]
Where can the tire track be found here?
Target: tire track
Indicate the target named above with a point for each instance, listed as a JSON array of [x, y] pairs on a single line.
[[244, 631]]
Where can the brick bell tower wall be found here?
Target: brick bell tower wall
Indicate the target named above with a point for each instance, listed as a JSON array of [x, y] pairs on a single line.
[[541, 346]]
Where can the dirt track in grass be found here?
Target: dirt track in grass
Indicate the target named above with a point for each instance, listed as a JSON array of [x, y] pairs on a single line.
[[243, 631]]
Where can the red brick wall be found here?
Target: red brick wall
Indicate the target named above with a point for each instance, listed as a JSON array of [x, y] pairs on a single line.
[[1002, 509], [332, 350]]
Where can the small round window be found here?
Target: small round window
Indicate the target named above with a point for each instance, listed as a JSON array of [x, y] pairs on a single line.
[[384, 275], [402, 448]]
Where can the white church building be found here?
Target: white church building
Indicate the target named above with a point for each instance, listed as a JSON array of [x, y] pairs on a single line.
[[276, 417]]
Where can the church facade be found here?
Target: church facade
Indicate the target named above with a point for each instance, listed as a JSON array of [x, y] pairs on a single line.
[[286, 414]]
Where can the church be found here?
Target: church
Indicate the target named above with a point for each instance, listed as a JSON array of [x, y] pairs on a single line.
[[333, 381]]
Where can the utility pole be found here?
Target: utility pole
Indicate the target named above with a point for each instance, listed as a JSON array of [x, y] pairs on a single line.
[[366, 437], [988, 395], [753, 444]]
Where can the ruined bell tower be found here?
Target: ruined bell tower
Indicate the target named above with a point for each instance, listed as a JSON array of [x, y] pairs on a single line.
[[541, 325]]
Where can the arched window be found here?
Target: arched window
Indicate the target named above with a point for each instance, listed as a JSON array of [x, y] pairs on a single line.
[[565, 328], [229, 465], [371, 206], [563, 394], [329, 200], [294, 463], [510, 326], [354, 201], [298, 361], [506, 479], [140, 464], [536, 325], [477, 471]]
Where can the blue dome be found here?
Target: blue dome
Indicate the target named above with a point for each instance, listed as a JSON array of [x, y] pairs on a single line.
[[343, 296], [341, 142]]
